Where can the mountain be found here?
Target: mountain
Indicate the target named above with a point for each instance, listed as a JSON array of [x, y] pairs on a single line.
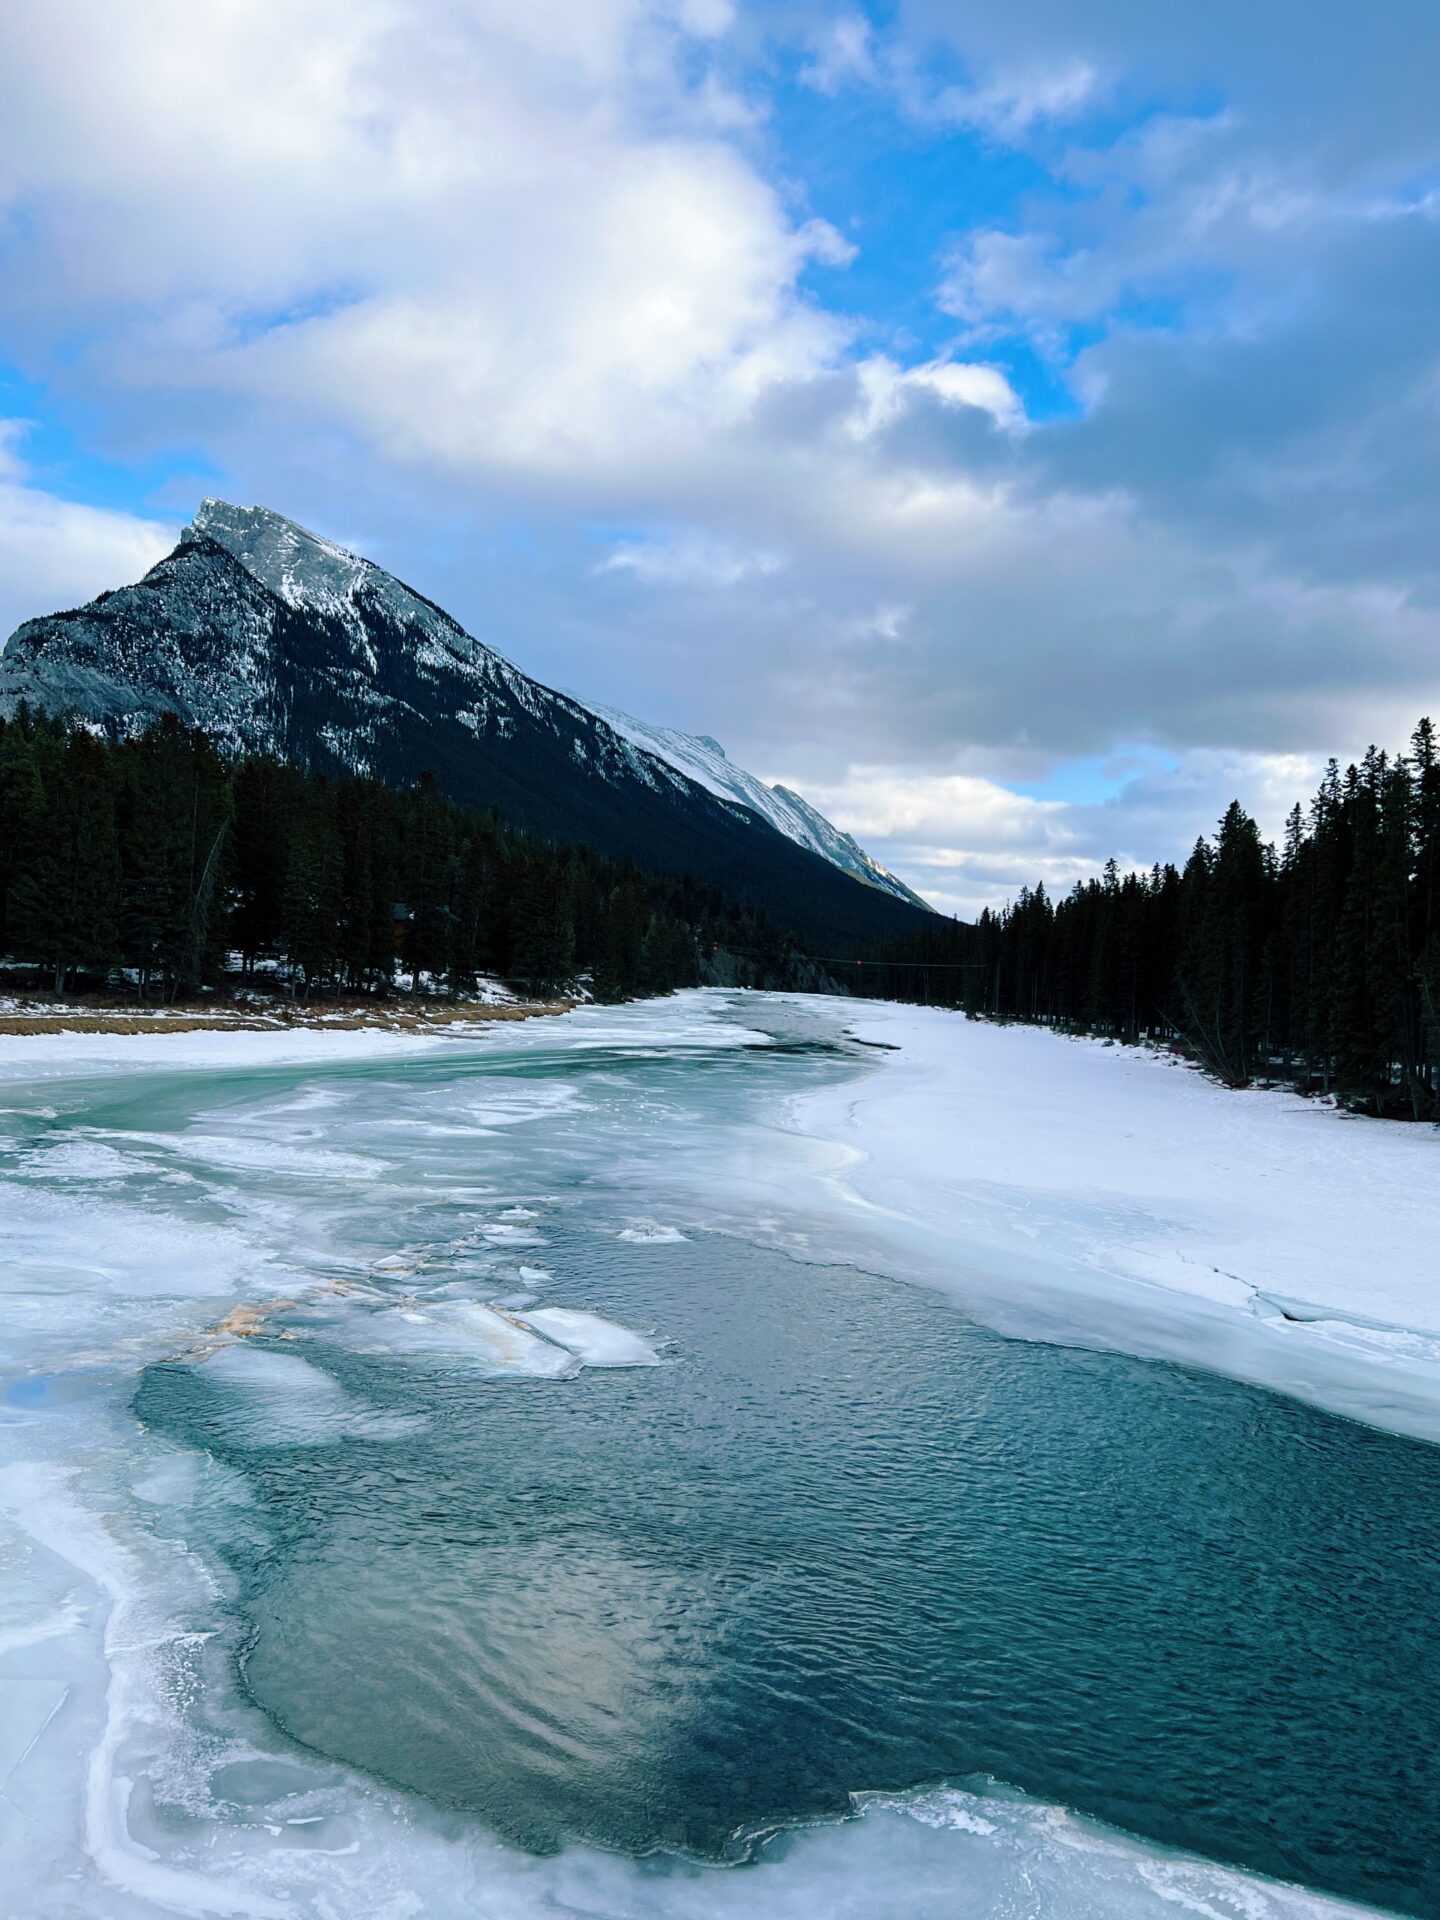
[[273, 640], [705, 761]]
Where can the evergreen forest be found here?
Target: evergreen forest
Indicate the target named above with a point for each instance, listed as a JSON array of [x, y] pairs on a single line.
[[1316, 962], [156, 856]]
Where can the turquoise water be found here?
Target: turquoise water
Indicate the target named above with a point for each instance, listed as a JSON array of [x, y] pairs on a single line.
[[846, 1540], [841, 1540]]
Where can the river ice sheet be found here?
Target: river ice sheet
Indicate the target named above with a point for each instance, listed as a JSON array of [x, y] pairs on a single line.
[[1070, 1189], [155, 1185]]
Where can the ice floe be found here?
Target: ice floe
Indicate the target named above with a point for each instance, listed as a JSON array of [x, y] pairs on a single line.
[[463, 1332], [514, 1103], [504, 1234], [649, 1233], [594, 1342], [264, 1155], [79, 1159]]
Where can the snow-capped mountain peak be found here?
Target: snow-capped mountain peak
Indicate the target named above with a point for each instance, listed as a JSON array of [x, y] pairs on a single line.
[[315, 575], [274, 640], [298, 566]]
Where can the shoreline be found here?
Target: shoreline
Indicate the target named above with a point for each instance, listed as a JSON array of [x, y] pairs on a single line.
[[381, 1017], [1061, 1190], [111, 1600]]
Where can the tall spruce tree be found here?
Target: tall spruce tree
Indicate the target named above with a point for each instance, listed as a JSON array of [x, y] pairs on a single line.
[[64, 907]]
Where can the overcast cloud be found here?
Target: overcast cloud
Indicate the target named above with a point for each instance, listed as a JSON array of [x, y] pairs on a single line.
[[1017, 431]]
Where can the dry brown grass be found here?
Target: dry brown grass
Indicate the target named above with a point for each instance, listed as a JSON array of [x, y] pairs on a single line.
[[380, 1018]]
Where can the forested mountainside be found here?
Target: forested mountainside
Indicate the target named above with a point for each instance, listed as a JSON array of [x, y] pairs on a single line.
[[1317, 960], [157, 854], [273, 641]]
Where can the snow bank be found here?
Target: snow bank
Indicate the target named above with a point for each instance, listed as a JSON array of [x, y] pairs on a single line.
[[1113, 1196], [683, 1020]]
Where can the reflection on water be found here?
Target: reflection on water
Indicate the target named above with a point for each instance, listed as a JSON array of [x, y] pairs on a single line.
[[839, 1540], [844, 1539]]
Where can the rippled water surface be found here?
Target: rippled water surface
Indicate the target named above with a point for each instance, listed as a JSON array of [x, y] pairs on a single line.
[[838, 1540], [843, 1539]]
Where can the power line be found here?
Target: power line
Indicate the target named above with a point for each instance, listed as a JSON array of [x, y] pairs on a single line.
[[844, 960]]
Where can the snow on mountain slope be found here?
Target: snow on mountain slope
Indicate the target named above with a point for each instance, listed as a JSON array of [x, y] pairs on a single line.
[[704, 760], [273, 640], [315, 575]]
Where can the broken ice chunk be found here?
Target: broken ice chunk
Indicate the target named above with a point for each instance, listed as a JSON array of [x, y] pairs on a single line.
[[593, 1341]]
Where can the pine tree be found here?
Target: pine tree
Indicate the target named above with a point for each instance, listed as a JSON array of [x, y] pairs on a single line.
[[314, 890], [1220, 970], [175, 803], [1425, 938], [428, 874], [22, 826], [266, 798], [65, 904], [543, 944]]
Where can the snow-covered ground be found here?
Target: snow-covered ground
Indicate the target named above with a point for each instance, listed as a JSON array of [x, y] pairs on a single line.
[[704, 760], [28, 1058], [1060, 1187], [1108, 1195]]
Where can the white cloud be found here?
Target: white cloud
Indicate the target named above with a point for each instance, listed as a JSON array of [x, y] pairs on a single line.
[[933, 809], [55, 553], [1027, 277], [886, 386], [482, 275], [1009, 105], [689, 560], [503, 238], [843, 53], [961, 840]]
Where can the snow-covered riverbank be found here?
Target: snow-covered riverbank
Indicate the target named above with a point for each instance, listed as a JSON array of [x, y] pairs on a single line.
[[27, 1058], [152, 1183], [1113, 1196], [1059, 1187]]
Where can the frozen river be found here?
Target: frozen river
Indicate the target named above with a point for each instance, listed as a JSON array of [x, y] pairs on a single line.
[[514, 1476]]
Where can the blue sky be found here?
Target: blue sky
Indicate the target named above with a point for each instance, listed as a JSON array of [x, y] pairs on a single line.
[[1013, 426]]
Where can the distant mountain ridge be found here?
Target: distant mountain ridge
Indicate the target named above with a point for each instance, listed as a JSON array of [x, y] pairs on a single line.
[[274, 640], [704, 760]]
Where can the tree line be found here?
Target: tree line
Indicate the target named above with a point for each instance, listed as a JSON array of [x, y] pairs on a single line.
[[1316, 961], [158, 856]]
